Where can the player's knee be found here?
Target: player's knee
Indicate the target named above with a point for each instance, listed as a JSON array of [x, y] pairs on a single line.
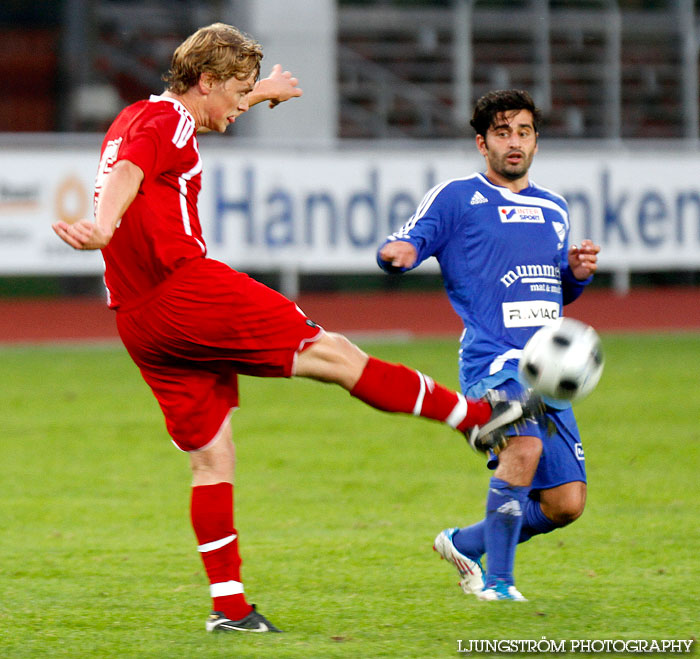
[[335, 349], [215, 463], [566, 516], [518, 461], [531, 451], [348, 359], [567, 510], [341, 344], [333, 358]]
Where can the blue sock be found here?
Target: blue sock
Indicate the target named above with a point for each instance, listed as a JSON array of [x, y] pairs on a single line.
[[471, 540], [535, 521], [504, 518]]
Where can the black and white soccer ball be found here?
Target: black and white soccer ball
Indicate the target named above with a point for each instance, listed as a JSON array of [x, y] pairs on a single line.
[[563, 360]]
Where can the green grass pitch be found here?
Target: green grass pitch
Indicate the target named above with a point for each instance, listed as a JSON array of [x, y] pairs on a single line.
[[337, 508]]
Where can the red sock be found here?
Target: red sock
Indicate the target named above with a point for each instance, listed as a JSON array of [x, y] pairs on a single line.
[[396, 388], [212, 520]]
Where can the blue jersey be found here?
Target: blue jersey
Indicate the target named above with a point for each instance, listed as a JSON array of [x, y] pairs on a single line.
[[503, 257]]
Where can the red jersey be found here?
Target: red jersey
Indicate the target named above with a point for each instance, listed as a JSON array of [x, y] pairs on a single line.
[[160, 231]]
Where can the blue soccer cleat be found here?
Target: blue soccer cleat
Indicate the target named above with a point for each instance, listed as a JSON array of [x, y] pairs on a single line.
[[500, 590]]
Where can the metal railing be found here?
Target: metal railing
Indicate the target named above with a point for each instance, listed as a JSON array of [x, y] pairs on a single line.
[[602, 69], [580, 60]]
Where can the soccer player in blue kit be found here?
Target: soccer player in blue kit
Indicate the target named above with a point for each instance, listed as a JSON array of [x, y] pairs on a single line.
[[502, 245]]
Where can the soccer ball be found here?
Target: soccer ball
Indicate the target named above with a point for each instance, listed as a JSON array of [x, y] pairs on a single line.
[[563, 360]]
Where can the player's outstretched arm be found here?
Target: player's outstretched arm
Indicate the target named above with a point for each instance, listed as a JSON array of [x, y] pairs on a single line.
[[119, 189], [278, 87]]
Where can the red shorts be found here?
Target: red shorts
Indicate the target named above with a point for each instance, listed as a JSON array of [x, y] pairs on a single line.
[[197, 330]]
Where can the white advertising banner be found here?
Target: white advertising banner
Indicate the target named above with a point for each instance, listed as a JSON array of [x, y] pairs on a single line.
[[326, 211], [37, 187]]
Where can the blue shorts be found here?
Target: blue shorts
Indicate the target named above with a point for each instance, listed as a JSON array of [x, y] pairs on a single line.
[[562, 459]]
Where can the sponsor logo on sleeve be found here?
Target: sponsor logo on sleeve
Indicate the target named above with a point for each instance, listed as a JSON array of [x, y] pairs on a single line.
[[530, 313], [530, 214]]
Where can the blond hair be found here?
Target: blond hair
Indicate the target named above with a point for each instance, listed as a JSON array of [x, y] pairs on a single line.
[[218, 49]]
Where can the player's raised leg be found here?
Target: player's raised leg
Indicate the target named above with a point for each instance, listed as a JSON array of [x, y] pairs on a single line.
[[397, 388]]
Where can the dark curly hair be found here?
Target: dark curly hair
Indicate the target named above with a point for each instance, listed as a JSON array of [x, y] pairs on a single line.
[[491, 105]]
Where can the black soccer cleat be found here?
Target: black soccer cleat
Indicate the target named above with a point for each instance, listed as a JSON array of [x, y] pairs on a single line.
[[254, 622], [533, 405], [506, 414]]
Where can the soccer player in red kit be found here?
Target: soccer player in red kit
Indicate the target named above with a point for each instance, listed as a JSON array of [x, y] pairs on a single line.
[[191, 323]]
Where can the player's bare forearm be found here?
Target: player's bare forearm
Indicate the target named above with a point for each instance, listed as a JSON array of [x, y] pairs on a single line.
[[583, 259], [278, 87], [399, 254], [119, 189]]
